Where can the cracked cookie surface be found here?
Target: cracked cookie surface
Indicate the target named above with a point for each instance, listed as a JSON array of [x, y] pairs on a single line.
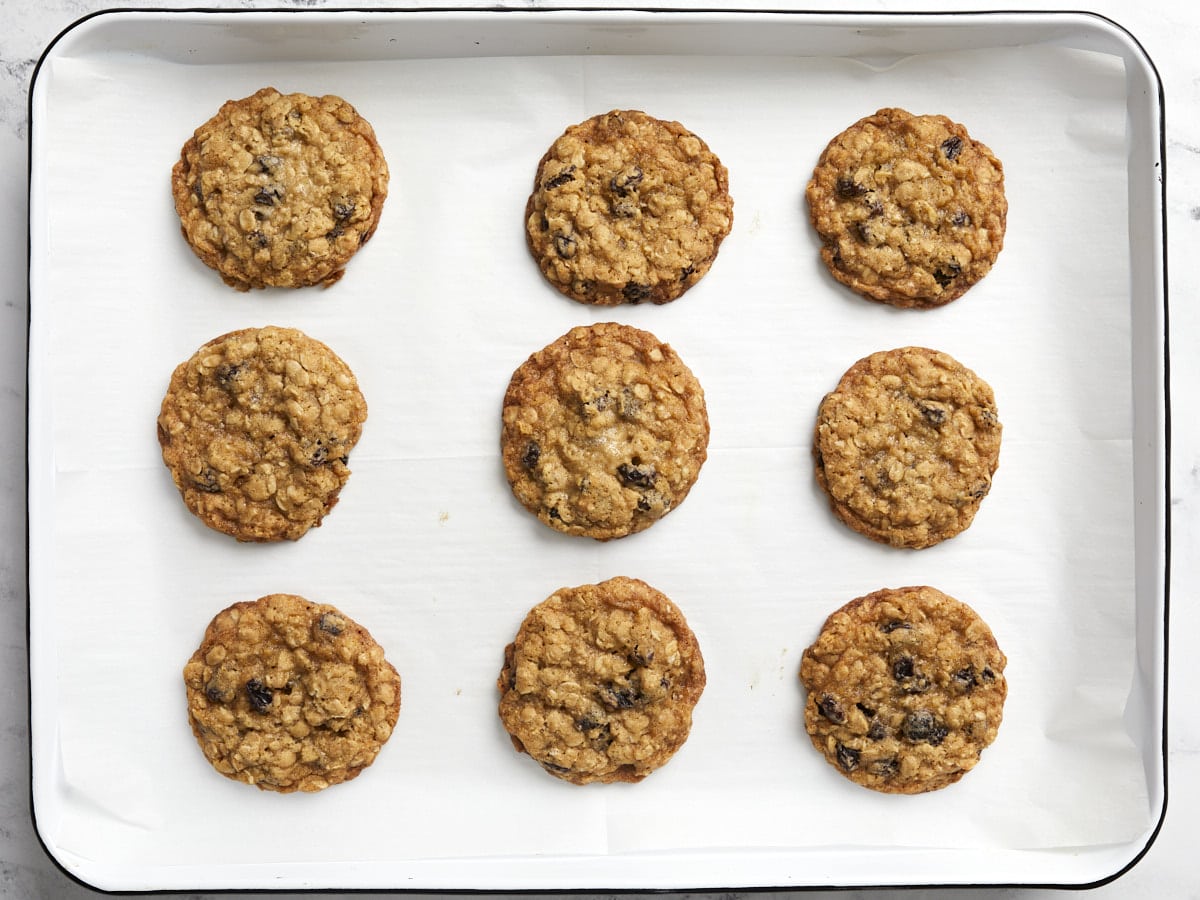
[[604, 431], [906, 445], [600, 682], [910, 210], [906, 689], [257, 428], [627, 208], [280, 190], [290, 695]]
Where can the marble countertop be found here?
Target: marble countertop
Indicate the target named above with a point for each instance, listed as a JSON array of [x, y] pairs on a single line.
[[1167, 29]]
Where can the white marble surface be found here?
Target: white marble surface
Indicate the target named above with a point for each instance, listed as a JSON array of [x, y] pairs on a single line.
[[1167, 30]]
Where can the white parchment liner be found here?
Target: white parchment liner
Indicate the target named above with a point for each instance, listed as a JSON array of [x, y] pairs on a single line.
[[429, 550]]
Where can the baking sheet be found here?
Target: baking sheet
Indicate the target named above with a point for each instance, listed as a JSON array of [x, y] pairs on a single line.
[[428, 549]]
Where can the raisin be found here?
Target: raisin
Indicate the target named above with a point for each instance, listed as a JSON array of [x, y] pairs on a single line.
[[564, 245], [884, 768], [343, 211], [687, 272], [215, 694], [268, 195], [628, 404], [875, 210], [587, 723], [960, 219], [637, 476], [944, 276], [904, 670], [965, 678], [625, 181], [597, 404], [567, 174], [865, 710], [555, 514], [863, 230], [207, 481], [268, 162], [638, 658], [335, 232], [952, 146], [987, 675], [258, 239], [602, 739], [877, 731], [260, 695], [620, 697], [226, 374], [553, 767], [532, 454], [330, 624], [831, 709], [847, 757], [934, 415], [922, 726], [320, 455], [635, 293], [889, 627], [848, 188]]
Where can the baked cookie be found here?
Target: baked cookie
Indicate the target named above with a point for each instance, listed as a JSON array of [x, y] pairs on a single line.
[[290, 695], [600, 682], [906, 446], [905, 690], [280, 190], [257, 429], [603, 431], [627, 208], [910, 209]]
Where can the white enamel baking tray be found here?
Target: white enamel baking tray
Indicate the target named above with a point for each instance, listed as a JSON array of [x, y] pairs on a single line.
[[1067, 560]]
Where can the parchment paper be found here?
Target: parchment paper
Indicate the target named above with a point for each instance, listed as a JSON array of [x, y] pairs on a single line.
[[430, 552]]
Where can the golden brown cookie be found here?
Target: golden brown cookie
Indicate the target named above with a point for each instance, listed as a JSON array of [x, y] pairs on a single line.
[[601, 681], [257, 429], [290, 695], [627, 208], [906, 445], [905, 690], [603, 431], [910, 209], [280, 190]]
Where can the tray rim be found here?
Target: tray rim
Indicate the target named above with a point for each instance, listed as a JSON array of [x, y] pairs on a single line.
[[1161, 459]]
